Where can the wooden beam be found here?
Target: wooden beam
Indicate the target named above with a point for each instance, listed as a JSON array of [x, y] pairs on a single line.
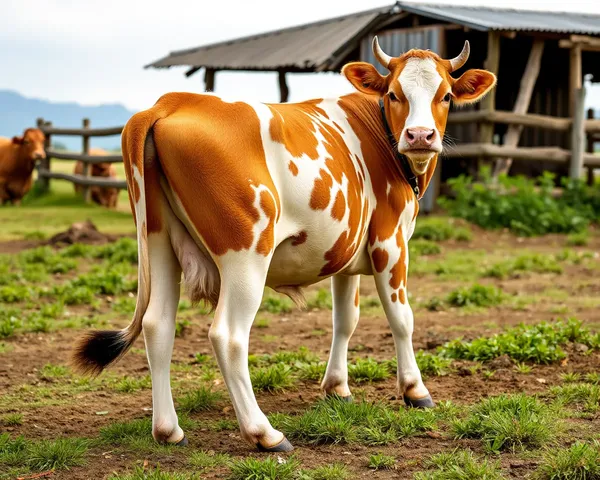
[[81, 180], [575, 76], [511, 118], [592, 126], [85, 150], [584, 41], [578, 135], [492, 62], [284, 91], [532, 70], [191, 71], [551, 154], [80, 132], [42, 182], [91, 159], [209, 80]]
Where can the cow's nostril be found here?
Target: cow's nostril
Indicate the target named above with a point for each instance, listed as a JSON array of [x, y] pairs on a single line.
[[431, 135], [409, 135]]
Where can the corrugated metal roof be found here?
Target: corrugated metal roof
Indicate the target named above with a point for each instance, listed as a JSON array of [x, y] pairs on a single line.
[[485, 18], [321, 45], [303, 48]]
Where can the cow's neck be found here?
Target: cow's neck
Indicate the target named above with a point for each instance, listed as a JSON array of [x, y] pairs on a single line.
[[365, 111], [24, 164]]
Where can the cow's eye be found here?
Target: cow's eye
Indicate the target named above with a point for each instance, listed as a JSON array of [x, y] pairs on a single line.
[[26, 142], [392, 96], [447, 97]]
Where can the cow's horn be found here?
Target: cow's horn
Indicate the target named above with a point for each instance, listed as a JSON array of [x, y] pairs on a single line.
[[380, 55], [462, 58]]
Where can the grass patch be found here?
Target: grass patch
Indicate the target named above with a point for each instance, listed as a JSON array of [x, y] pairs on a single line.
[[536, 263], [423, 247], [140, 473], [57, 454], [335, 471], [199, 400], [274, 378], [269, 468], [274, 303], [459, 465], [321, 300], [586, 395], [367, 370], [203, 460], [476, 296], [379, 461], [314, 371], [581, 461], [578, 239], [508, 423], [438, 229], [12, 419], [132, 384]]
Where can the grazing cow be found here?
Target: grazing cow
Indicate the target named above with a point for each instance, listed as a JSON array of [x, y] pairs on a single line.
[[17, 161], [105, 196], [239, 196]]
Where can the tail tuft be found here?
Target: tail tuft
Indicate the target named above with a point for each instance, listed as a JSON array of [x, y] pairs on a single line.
[[96, 350]]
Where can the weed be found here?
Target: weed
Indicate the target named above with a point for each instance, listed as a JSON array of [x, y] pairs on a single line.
[[432, 365], [124, 305], [181, 327], [262, 323], [367, 370], [303, 355], [570, 377], [140, 473], [132, 384], [321, 301], [203, 460], [434, 304], [423, 247], [202, 358], [436, 229], [585, 394], [379, 461], [581, 461], [459, 465], [593, 377], [199, 400], [274, 378], [268, 469], [56, 454], [578, 239], [12, 419], [523, 368], [508, 422], [49, 371], [476, 295], [537, 263], [14, 293], [313, 371], [9, 322], [335, 471]]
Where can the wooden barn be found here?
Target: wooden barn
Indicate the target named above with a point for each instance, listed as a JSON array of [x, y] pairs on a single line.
[[535, 115]]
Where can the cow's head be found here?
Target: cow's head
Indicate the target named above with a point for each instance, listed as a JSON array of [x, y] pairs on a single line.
[[31, 145], [417, 93]]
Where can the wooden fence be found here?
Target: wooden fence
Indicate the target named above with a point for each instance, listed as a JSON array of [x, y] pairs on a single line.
[[584, 133], [85, 179]]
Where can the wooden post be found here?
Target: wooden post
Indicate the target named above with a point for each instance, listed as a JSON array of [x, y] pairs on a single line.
[[492, 62], [209, 80], [578, 134], [86, 166], [590, 148], [575, 76], [44, 182], [532, 70], [284, 91]]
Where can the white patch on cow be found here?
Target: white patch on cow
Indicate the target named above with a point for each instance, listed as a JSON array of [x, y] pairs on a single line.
[[420, 81]]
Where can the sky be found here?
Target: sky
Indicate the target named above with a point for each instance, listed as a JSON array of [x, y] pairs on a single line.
[[93, 51]]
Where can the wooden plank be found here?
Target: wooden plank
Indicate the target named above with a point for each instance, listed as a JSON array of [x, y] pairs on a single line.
[[92, 132], [284, 91], [492, 61], [591, 160], [512, 136], [551, 154], [43, 183], [85, 150], [85, 158], [592, 126], [575, 76], [578, 135], [511, 118], [81, 180]]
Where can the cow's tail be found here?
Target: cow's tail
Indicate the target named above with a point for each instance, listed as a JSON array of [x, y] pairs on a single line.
[[98, 349]]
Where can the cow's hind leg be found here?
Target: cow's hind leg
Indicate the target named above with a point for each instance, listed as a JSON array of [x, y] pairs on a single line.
[[159, 334], [243, 278], [345, 317]]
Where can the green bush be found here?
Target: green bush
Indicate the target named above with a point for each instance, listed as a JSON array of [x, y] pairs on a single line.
[[526, 207], [476, 295]]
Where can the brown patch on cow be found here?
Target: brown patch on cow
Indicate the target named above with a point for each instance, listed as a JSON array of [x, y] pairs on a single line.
[[299, 238], [136, 191], [293, 125], [267, 238], [356, 298], [339, 207], [293, 168], [152, 189], [336, 125], [398, 271], [202, 165], [402, 296], [321, 193], [394, 297], [380, 259]]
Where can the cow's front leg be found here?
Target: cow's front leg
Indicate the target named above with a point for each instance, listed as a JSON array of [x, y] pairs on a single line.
[[344, 291], [390, 266]]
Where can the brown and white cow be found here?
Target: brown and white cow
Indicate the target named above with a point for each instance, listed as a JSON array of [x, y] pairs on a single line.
[[239, 196], [106, 196], [17, 161]]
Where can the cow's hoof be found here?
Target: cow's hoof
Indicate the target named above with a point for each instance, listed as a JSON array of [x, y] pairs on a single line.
[[424, 402], [183, 442], [283, 446]]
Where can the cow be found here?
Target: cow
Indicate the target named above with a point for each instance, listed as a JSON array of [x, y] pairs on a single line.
[[238, 196], [17, 161], [106, 196]]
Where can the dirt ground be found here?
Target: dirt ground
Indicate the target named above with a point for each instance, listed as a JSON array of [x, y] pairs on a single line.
[[76, 415]]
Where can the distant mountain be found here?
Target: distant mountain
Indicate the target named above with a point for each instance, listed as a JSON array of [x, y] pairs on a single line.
[[18, 113]]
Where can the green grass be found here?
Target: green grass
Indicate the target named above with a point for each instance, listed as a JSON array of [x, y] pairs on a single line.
[[578, 239], [476, 296], [321, 300], [263, 469], [132, 384], [367, 370], [199, 400], [439, 229], [379, 461], [334, 471], [581, 461], [274, 378], [459, 465], [137, 434], [262, 323], [509, 423], [12, 419], [202, 460], [275, 303], [432, 365], [140, 473], [57, 454], [50, 371], [423, 247], [527, 262], [584, 395], [314, 371]]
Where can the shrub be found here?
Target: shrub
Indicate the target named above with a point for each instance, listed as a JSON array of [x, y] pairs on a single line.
[[526, 207]]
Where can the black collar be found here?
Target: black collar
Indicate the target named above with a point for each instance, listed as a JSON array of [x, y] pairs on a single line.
[[402, 160]]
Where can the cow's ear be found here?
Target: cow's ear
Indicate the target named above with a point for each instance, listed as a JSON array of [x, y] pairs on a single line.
[[17, 140], [472, 86], [365, 78]]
